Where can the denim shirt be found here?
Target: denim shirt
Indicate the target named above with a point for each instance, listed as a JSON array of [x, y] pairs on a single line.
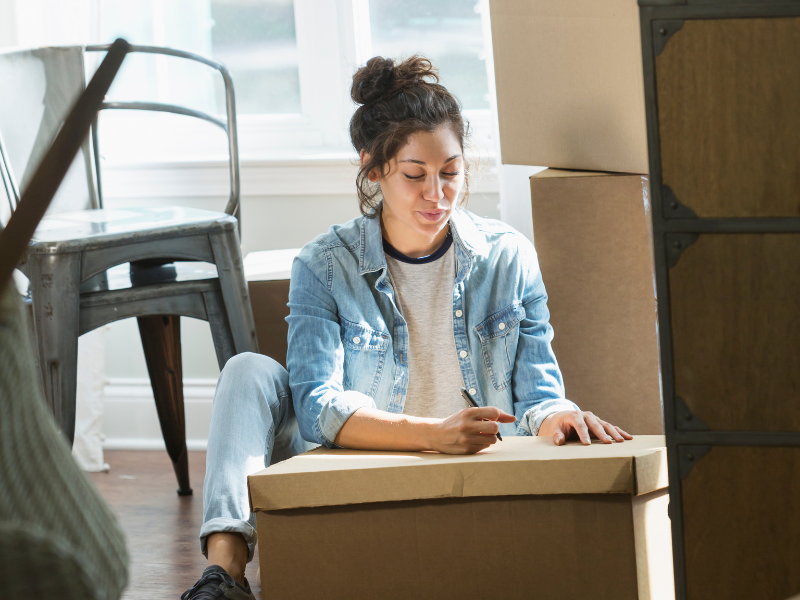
[[348, 342]]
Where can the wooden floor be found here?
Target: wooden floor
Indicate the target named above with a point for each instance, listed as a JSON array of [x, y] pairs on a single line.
[[161, 527]]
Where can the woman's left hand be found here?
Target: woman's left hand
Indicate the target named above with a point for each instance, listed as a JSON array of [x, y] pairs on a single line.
[[583, 424]]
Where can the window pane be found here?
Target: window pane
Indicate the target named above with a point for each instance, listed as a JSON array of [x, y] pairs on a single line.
[[446, 31], [255, 39], [132, 21]]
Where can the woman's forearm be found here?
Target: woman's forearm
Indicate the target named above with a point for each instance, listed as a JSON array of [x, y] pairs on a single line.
[[468, 431], [373, 429]]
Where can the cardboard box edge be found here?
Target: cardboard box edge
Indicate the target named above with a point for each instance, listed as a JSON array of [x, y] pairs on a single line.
[[636, 467], [556, 173], [650, 471]]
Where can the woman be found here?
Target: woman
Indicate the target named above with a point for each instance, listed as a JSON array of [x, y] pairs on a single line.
[[390, 315]]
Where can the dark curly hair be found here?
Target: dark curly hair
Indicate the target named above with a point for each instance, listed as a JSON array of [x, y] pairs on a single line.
[[398, 100]]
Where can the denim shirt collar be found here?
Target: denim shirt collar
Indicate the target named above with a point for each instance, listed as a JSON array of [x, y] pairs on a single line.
[[467, 240]]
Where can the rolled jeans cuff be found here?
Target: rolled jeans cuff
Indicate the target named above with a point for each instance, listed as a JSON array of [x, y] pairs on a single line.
[[226, 525], [533, 419]]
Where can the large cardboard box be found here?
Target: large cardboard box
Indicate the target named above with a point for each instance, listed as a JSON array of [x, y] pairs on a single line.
[[570, 90], [591, 232], [268, 273], [523, 519]]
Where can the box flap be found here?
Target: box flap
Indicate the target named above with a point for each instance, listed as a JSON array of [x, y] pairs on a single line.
[[565, 173], [513, 467]]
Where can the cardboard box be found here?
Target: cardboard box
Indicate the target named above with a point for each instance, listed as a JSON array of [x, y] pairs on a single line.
[[522, 519], [570, 89], [591, 232], [268, 273]]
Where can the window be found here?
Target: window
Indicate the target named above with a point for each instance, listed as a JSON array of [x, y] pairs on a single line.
[[292, 62], [446, 31], [255, 39]]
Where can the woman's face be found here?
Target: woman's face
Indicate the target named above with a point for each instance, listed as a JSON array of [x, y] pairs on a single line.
[[420, 189]]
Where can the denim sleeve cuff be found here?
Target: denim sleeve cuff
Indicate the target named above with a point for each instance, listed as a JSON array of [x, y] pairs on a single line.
[[337, 411], [532, 420]]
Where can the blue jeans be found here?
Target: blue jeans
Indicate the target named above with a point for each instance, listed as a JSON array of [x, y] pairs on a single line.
[[252, 426]]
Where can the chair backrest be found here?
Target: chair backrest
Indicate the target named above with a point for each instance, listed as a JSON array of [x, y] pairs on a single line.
[[40, 87], [45, 84], [228, 125]]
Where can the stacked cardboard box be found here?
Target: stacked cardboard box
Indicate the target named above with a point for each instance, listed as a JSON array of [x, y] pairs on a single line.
[[570, 89], [268, 273], [591, 233], [570, 94]]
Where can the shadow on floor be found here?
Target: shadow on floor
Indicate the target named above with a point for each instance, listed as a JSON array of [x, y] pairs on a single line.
[[161, 528]]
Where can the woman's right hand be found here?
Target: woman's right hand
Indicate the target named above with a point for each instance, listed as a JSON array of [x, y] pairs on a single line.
[[469, 431], [466, 432]]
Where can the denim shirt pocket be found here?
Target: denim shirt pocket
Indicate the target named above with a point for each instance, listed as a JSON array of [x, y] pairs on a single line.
[[499, 334], [364, 354]]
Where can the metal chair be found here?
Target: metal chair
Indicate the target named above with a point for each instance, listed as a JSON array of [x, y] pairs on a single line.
[[93, 266]]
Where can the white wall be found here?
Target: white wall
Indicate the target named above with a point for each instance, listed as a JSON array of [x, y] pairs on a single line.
[[8, 18], [48, 22], [515, 190]]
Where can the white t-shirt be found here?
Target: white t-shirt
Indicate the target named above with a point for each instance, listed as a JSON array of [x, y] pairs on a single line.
[[423, 290]]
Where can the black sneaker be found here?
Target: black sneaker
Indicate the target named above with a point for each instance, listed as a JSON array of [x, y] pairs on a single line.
[[216, 583]]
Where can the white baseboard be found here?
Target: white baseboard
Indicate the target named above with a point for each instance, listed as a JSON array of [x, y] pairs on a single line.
[[130, 421], [149, 444]]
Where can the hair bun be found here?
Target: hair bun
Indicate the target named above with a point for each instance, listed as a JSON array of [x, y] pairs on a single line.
[[381, 77], [373, 80]]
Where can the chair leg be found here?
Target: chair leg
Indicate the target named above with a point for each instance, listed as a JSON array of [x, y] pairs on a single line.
[[27, 303], [161, 341], [228, 259], [220, 327], [55, 290]]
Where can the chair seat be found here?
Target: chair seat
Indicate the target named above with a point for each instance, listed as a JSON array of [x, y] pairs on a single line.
[[75, 231], [139, 289]]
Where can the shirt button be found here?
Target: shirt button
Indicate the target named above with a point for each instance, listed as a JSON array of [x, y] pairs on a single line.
[[356, 340], [473, 391], [501, 326], [459, 313], [463, 354]]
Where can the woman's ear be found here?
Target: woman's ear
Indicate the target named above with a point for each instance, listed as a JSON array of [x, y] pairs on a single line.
[[364, 158]]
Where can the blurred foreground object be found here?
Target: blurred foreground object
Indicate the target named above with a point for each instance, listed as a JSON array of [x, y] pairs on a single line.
[[58, 538]]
